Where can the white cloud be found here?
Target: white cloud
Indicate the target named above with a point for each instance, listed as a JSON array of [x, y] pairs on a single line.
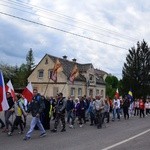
[[121, 23]]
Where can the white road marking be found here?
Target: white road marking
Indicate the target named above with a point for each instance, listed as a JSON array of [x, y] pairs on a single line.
[[124, 141]]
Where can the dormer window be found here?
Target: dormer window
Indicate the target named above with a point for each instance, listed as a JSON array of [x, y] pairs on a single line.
[[46, 61], [40, 73], [91, 77]]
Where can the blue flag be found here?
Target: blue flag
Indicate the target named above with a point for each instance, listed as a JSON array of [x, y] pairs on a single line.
[[130, 96]]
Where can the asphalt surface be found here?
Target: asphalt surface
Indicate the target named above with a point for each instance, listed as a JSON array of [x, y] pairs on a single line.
[[132, 134]]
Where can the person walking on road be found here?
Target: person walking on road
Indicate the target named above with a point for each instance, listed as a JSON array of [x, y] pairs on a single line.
[[19, 111], [99, 108], [126, 105], [60, 113], [36, 107], [8, 113]]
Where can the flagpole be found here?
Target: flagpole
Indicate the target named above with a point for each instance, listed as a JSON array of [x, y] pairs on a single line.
[[46, 86], [64, 87]]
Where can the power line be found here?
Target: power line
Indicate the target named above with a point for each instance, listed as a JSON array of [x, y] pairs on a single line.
[[63, 22], [92, 39], [70, 18]]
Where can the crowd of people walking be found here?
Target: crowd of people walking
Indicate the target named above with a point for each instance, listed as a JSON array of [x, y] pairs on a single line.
[[69, 111]]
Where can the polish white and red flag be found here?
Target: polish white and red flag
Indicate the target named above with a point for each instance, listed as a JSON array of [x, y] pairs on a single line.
[[3, 100], [9, 88], [28, 92], [117, 93]]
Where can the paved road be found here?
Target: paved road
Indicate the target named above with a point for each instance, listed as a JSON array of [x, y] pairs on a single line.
[[132, 134]]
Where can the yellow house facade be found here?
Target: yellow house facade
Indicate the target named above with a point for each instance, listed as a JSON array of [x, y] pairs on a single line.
[[89, 82]]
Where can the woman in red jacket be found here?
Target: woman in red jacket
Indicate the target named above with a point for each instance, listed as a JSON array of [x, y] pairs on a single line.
[[141, 107]]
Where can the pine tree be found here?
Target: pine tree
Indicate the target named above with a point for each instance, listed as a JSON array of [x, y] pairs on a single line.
[[30, 62], [136, 70]]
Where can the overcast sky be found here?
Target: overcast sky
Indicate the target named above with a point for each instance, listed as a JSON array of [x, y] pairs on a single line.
[[92, 31]]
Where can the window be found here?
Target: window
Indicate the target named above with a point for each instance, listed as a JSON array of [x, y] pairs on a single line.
[[102, 92], [97, 92], [72, 92], [49, 73], [91, 77], [46, 61], [40, 73], [90, 92], [79, 92]]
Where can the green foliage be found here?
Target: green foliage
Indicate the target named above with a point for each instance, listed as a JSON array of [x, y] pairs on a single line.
[[136, 71], [8, 71], [30, 62], [111, 85], [20, 79], [18, 74]]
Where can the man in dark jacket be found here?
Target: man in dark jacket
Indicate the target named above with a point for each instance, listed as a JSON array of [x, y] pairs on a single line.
[[69, 108], [126, 105], [60, 112], [36, 107]]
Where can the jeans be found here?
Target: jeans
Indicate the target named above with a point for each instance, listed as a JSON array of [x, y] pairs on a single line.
[[7, 116], [92, 117], [116, 111], [69, 116], [35, 121]]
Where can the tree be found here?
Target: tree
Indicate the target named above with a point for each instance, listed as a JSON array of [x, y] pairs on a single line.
[[8, 71], [30, 62], [111, 85], [19, 74], [20, 80], [136, 70]]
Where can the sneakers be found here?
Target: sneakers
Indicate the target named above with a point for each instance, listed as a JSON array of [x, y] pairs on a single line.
[[20, 132], [26, 138], [9, 133], [43, 134], [71, 126], [63, 130], [81, 125], [54, 130]]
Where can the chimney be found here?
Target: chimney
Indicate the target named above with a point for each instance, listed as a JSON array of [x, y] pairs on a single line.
[[74, 60], [65, 57]]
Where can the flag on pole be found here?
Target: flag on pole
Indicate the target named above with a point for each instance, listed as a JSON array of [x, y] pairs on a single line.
[[117, 93], [57, 68], [28, 92], [10, 89], [3, 100], [74, 74], [130, 95]]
